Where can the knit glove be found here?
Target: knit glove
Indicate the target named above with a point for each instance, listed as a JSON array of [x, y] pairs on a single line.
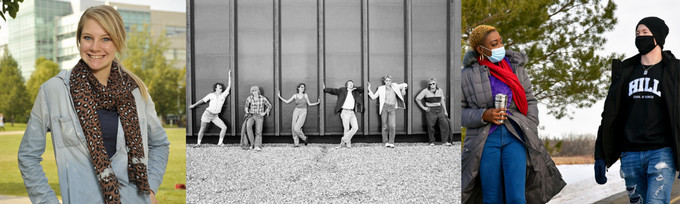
[[600, 171]]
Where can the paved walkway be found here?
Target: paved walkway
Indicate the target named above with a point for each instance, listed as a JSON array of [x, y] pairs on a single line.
[[623, 196], [11, 132], [4, 199]]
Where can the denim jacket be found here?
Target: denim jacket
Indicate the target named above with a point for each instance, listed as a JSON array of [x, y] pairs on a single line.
[[53, 111]]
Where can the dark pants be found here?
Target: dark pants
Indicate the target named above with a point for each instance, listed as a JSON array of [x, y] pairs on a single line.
[[434, 116]]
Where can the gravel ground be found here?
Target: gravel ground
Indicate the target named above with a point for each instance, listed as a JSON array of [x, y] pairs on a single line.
[[320, 173]]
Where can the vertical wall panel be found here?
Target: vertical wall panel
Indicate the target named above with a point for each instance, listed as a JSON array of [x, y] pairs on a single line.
[[429, 53], [299, 60], [211, 60], [343, 54], [255, 54], [386, 54]]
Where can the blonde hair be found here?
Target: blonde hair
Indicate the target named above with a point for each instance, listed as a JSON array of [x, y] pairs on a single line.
[[478, 35], [109, 19]]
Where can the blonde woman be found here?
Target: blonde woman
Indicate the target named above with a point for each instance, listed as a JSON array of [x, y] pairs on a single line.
[[300, 113], [108, 142]]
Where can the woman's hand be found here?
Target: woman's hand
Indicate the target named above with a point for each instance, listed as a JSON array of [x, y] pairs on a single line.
[[152, 198], [492, 115]]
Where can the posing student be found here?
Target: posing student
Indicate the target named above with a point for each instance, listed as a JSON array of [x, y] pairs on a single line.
[[391, 98], [300, 113], [211, 114], [256, 107], [350, 100], [433, 101]]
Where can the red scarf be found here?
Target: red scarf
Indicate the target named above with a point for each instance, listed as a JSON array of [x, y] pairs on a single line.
[[505, 74]]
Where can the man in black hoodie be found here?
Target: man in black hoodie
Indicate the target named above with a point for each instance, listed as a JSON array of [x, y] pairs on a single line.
[[640, 118]]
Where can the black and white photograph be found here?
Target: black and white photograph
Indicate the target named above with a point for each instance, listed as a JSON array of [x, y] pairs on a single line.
[[330, 101]]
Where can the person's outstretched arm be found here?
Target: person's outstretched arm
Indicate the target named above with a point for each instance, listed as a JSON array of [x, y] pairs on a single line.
[[228, 89], [278, 94], [370, 92], [318, 100]]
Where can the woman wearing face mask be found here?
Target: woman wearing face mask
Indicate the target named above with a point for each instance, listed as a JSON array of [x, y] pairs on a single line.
[[639, 121], [503, 159], [300, 113], [108, 142]]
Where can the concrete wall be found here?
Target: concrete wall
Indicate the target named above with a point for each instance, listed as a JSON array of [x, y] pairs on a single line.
[[277, 44]]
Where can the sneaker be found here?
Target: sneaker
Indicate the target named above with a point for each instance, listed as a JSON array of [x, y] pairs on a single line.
[[447, 144], [391, 145], [306, 141], [432, 144], [387, 144], [258, 149], [196, 146], [296, 146], [220, 145], [349, 145]]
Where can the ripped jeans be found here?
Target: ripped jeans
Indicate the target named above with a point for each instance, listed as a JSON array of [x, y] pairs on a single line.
[[649, 175]]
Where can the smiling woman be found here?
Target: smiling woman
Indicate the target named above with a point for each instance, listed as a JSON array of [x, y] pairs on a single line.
[[108, 142]]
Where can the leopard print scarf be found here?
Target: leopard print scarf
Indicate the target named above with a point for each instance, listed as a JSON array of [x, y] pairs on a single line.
[[89, 96]]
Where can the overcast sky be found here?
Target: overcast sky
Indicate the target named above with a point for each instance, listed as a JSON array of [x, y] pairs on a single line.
[[620, 40]]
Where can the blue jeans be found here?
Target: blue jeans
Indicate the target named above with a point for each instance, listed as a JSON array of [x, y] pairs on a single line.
[[649, 175], [502, 169]]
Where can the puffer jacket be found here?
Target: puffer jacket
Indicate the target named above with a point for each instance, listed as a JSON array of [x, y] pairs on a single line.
[[53, 112], [607, 145], [543, 179]]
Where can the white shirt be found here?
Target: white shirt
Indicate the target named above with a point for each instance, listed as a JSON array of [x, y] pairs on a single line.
[[214, 102], [349, 101]]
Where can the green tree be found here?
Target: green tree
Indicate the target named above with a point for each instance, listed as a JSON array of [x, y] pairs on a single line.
[[561, 39], [10, 7], [145, 58], [13, 95], [44, 70]]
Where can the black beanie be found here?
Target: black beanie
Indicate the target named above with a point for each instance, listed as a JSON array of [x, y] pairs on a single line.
[[658, 28]]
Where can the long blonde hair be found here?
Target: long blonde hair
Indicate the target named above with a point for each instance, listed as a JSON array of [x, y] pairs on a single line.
[[113, 24]]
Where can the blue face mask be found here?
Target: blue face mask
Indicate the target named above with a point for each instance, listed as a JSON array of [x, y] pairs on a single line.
[[496, 54]]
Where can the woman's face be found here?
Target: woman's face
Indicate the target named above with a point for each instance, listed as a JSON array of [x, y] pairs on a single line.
[[255, 92], [492, 41], [301, 88], [218, 88], [96, 46]]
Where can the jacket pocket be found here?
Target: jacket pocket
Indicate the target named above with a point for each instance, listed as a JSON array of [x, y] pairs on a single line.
[[66, 132]]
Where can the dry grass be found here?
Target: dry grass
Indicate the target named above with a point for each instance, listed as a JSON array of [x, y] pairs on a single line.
[[583, 159]]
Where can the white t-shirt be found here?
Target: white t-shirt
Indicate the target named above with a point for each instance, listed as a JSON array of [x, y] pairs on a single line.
[[349, 101], [214, 102]]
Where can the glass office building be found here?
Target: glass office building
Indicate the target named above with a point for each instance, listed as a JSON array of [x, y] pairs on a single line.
[[32, 33]]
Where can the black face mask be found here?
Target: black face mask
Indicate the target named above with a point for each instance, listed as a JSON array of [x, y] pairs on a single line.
[[645, 44]]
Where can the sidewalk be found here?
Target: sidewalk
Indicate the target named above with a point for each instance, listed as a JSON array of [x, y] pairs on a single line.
[[11, 132], [4, 199]]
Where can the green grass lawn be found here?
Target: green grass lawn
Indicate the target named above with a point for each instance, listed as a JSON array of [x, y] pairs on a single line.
[[11, 182], [16, 127]]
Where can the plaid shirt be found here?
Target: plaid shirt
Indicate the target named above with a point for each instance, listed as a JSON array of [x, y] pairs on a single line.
[[257, 105]]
